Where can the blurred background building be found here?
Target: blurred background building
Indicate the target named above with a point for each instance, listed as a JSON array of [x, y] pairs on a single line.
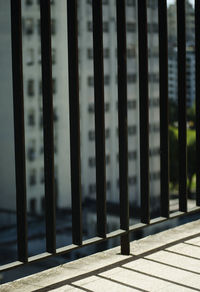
[[33, 103]]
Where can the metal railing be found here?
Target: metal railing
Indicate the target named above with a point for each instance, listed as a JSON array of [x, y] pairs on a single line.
[[125, 228]]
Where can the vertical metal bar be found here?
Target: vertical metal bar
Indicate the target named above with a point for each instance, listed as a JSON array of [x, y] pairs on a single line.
[[74, 121], [45, 11], [182, 138], [164, 137], [122, 122], [18, 101], [144, 110], [197, 54], [99, 117]]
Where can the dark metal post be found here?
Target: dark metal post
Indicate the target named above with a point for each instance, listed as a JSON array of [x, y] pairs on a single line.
[[122, 122], [164, 123], [74, 121], [18, 101], [144, 110], [45, 11], [99, 117], [197, 53], [182, 131]]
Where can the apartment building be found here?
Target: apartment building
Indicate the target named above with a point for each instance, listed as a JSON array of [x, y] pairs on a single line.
[[172, 21], [111, 103], [33, 102], [190, 74]]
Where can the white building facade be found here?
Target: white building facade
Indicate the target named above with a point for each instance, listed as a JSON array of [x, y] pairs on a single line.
[[111, 104], [33, 102]]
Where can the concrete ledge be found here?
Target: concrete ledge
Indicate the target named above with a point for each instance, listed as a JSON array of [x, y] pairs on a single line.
[[149, 261]]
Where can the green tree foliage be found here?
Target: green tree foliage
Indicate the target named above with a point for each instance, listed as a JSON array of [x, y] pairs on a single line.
[[173, 155], [173, 111], [191, 152], [191, 157]]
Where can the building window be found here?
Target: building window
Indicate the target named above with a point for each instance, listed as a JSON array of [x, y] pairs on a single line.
[[33, 206], [30, 87], [91, 108], [104, 2], [92, 161], [28, 26], [108, 185], [130, 2], [152, 27], [43, 204], [55, 144], [42, 175], [91, 135], [41, 121], [90, 81], [29, 2], [153, 52], [92, 188], [153, 77], [40, 87], [53, 56], [106, 80], [132, 155], [39, 26], [154, 102], [90, 53], [132, 180], [106, 107], [132, 130], [32, 177], [154, 151], [131, 53], [152, 4], [42, 149], [154, 128], [105, 26], [89, 26], [31, 118], [155, 175], [31, 154], [53, 26], [106, 53], [54, 85], [131, 27], [55, 115], [131, 104], [131, 78], [107, 133], [107, 159], [30, 57]]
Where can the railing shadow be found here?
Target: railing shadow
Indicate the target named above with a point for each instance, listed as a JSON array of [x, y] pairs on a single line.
[[109, 276]]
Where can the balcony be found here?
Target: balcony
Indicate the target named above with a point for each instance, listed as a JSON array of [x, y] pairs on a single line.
[[135, 264], [167, 261]]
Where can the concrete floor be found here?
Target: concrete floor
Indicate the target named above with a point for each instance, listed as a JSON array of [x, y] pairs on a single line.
[[167, 261]]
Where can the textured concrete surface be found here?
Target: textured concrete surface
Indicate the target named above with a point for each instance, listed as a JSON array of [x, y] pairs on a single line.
[[167, 261]]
